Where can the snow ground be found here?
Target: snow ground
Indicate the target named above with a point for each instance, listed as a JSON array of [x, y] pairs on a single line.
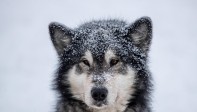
[[28, 59]]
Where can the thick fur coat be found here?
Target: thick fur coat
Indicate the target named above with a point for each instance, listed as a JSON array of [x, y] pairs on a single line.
[[103, 66]]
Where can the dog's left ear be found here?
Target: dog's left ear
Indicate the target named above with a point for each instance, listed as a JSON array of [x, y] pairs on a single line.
[[61, 36], [141, 33]]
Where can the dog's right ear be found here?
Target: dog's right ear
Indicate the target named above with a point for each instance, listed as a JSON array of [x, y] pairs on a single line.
[[60, 35]]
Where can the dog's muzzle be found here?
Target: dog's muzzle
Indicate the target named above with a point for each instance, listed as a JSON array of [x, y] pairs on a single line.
[[99, 94]]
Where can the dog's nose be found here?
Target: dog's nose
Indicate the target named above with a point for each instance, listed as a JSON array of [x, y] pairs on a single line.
[[99, 94]]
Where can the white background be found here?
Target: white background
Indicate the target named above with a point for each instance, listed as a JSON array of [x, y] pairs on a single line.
[[28, 59]]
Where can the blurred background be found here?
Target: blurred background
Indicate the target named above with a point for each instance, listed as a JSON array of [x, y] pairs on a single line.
[[28, 59]]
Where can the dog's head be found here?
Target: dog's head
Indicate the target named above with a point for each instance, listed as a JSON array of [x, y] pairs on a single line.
[[99, 60]]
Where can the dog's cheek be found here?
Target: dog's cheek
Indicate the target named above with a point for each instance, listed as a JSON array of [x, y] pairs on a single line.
[[76, 82], [88, 85], [124, 84], [112, 91]]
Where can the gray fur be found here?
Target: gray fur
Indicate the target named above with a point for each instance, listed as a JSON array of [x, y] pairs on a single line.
[[129, 42]]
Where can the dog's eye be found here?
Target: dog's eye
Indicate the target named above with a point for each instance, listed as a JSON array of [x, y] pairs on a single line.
[[86, 62], [114, 62]]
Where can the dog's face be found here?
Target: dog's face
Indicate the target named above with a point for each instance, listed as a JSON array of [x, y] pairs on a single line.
[[101, 83], [100, 60]]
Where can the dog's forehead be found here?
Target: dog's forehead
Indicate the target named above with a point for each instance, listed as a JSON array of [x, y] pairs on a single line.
[[99, 36], [98, 46], [99, 40]]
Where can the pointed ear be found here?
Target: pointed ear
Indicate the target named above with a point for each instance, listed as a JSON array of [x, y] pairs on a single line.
[[60, 36], [141, 33]]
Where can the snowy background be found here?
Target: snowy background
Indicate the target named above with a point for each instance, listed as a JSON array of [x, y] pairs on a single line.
[[28, 59]]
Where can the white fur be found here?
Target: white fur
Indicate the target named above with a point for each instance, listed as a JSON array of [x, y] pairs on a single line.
[[119, 86], [108, 55], [88, 56], [76, 82]]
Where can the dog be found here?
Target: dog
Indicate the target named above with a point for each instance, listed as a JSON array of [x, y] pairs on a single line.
[[103, 66]]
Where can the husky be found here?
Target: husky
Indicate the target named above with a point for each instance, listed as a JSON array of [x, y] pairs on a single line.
[[103, 66]]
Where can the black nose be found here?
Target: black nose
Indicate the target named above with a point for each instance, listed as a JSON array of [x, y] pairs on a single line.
[[99, 94]]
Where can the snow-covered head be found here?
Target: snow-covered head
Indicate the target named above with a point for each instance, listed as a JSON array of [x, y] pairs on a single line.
[[102, 63]]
